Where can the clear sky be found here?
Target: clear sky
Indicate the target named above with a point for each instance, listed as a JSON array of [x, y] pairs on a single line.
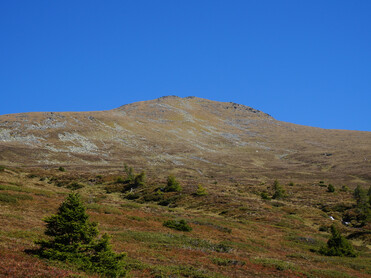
[[305, 62]]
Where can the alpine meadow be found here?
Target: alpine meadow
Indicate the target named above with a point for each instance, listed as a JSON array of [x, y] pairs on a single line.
[[182, 187]]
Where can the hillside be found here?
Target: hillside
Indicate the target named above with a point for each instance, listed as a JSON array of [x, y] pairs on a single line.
[[230, 161], [194, 136]]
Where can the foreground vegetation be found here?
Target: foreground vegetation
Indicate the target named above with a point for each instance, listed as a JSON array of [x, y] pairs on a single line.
[[172, 227], [73, 240]]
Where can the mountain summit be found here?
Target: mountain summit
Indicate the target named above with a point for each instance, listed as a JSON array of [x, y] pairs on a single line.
[[194, 135]]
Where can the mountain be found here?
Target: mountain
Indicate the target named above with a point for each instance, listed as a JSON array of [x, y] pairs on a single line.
[[190, 136], [250, 196]]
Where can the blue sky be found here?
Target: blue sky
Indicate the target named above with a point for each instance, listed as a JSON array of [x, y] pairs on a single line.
[[305, 62]]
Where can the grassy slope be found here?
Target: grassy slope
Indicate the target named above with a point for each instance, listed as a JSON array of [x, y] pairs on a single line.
[[235, 233], [192, 136]]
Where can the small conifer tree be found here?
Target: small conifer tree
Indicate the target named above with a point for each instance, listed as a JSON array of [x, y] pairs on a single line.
[[139, 179], [363, 206], [172, 185], [129, 173], [74, 239], [337, 245], [279, 192], [360, 196], [201, 191]]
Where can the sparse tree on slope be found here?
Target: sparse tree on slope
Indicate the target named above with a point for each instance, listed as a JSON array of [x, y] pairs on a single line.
[[279, 192], [74, 240], [172, 185], [337, 245]]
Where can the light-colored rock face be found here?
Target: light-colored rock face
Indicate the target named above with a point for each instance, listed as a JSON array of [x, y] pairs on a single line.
[[189, 133]]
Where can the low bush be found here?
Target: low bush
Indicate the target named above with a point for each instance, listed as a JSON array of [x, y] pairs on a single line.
[[222, 248], [75, 186], [322, 184], [226, 262], [180, 225], [330, 188], [132, 196], [265, 196], [201, 191], [120, 180], [171, 201], [156, 196]]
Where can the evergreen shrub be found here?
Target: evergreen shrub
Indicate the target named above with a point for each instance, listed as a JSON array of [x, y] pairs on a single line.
[[180, 225], [73, 239], [337, 245]]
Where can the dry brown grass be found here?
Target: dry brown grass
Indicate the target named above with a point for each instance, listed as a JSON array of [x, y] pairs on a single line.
[[189, 137], [256, 237]]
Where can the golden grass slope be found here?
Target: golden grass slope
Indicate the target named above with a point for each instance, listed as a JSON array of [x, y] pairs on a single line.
[[192, 136]]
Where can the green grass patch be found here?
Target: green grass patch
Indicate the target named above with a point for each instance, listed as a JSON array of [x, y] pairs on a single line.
[[13, 198], [162, 271], [20, 188], [360, 263], [299, 256], [22, 234], [278, 264], [23, 197], [75, 186], [183, 271], [159, 240], [11, 188], [13, 216], [7, 198], [328, 273], [306, 243], [212, 225], [226, 262], [131, 205], [136, 218], [103, 209]]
